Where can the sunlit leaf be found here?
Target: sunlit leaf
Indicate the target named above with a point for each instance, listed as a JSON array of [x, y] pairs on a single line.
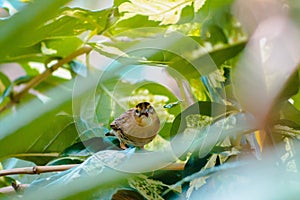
[[167, 12]]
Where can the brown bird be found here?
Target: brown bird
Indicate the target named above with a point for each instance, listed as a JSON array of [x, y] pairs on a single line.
[[137, 126]]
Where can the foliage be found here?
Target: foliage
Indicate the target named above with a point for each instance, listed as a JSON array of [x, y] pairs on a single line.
[[227, 97]]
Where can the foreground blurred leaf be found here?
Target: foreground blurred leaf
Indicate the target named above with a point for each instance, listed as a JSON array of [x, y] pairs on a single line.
[[46, 129], [24, 22]]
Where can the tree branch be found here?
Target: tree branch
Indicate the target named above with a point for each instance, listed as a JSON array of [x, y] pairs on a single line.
[[12, 190], [44, 169], [36, 169], [39, 78], [56, 168]]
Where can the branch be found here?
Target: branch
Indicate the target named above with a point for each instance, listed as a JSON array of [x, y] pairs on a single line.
[[12, 190], [38, 79], [36, 169], [56, 168], [44, 169]]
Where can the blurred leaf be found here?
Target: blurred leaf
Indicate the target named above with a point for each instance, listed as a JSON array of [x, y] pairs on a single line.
[[25, 54], [187, 15], [5, 87], [6, 93], [4, 81], [90, 170], [29, 70], [17, 4], [289, 112], [22, 79], [70, 22], [117, 3], [104, 106], [61, 47], [213, 33], [45, 132], [79, 68], [173, 49], [24, 22], [290, 88]]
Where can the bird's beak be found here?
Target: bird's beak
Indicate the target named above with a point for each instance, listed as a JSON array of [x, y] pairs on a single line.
[[144, 113]]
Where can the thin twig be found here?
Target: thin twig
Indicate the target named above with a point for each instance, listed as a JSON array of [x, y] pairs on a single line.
[[56, 168], [38, 79], [36, 169]]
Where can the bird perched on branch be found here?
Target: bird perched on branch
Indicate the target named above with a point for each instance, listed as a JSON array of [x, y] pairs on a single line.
[[137, 126]]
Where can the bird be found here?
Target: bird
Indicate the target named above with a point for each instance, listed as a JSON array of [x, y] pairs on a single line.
[[137, 126]]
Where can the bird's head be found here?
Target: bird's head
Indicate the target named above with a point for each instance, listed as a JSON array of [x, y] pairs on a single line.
[[144, 109]]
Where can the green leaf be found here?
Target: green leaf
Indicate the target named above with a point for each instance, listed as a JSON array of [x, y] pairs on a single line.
[[5, 87], [4, 81], [61, 47], [25, 54], [70, 22], [167, 11], [6, 93], [92, 167], [44, 133], [22, 79], [87, 147], [18, 29], [290, 88], [149, 188], [137, 21], [65, 161], [203, 108], [289, 112]]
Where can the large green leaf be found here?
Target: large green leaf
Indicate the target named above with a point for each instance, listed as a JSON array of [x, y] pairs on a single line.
[[46, 130], [185, 54], [70, 22], [57, 37], [15, 31]]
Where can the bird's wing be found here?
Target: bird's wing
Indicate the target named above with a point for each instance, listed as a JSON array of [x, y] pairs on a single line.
[[119, 122]]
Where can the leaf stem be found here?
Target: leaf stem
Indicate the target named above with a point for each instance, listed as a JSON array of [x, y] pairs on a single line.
[[41, 77]]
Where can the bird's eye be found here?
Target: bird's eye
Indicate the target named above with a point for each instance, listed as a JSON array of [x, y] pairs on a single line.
[[150, 109], [137, 111]]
